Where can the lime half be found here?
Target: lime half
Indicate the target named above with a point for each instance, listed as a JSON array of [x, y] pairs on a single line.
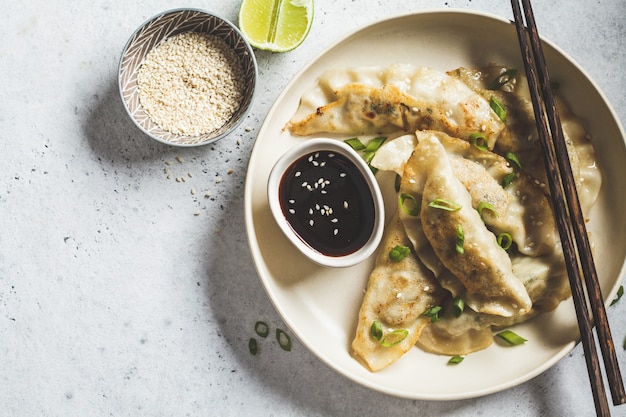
[[276, 25]]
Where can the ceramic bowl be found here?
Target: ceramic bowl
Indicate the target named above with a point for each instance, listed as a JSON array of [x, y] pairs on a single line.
[[166, 25], [362, 174]]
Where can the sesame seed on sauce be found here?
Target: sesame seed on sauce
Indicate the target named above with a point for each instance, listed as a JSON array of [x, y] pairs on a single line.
[[328, 203]]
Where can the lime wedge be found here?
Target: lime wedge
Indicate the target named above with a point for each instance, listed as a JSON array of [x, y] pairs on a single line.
[[275, 25]]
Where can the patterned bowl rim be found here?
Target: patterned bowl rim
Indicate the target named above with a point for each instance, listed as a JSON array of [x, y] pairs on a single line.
[[242, 114]]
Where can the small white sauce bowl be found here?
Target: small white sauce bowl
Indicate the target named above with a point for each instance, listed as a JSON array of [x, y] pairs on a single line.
[[273, 189]]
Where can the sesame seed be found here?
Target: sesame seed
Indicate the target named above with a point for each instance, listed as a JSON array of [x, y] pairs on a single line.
[[311, 222], [292, 211], [191, 83], [342, 175], [335, 232], [180, 159]]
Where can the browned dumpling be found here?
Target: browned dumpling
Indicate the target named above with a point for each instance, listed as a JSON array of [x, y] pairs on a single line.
[[397, 295], [399, 98]]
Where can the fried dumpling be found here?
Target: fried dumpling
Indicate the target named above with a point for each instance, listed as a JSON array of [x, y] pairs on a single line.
[[484, 267], [520, 132], [397, 295], [397, 98], [522, 209]]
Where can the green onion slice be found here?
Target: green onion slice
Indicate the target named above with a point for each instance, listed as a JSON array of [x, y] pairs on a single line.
[[433, 313], [355, 144], [513, 160], [399, 252], [505, 240], [508, 179], [412, 208], [394, 337], [502, 79], [458, 304], [484, 205], [498, 108], [368, 156], [460, 240], [620, 293], [252, 346], [479, 141], [511, 338], [376, 330], [455, 360], [283, 339], [443, 204], [261, 328], [374, 144]]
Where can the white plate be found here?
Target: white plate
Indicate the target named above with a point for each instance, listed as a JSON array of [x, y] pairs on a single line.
[[320, 305]]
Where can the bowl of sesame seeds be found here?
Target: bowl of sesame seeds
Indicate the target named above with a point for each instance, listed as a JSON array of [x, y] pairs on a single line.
[[328, 203], [187, 77]]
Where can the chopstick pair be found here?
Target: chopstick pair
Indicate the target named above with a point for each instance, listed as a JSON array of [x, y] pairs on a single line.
[[569, 218]]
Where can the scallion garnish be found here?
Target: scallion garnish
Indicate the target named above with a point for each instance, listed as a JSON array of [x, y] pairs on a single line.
[[502, 79], [460, 240], [497, 107], [355, 144], [412, 208], [443, 204], [252, 346], [374, 144], [458, 305], [511, 338], [399, 252], [455, 360], [508, 179], [620, 293], [505, 240], [261, 328], [283, 339], [368, 156], [433, 313], [479, 141], [513, 160], [484, 205], [394, 337], [376, 330]]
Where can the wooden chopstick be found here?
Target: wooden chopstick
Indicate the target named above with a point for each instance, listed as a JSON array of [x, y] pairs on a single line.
[[557, 161]]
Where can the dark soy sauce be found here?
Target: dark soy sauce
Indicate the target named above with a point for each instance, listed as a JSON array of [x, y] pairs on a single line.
[[328, 203]]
